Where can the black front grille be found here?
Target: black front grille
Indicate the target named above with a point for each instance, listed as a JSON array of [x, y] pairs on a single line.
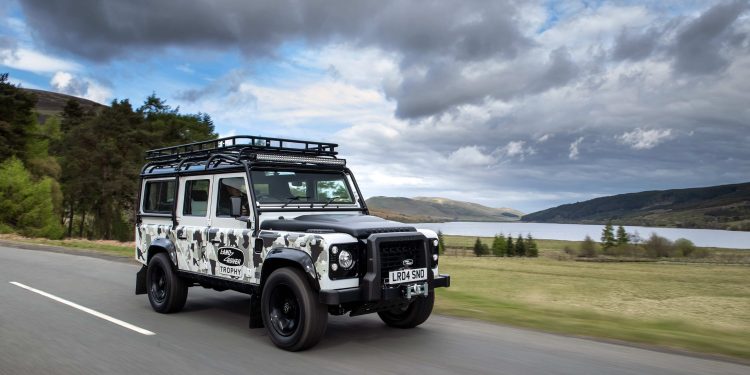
[[393, 254]]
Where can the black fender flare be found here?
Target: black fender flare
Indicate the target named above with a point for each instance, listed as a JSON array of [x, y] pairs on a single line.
[[162, 244], [284, 256]]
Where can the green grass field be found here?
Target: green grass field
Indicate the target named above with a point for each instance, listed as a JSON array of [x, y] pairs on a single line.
[[703, 308]]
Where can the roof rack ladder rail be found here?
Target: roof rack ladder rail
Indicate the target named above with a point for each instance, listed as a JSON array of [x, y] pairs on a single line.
[[220, 156]]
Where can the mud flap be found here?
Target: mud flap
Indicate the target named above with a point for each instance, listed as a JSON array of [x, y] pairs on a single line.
[[140, 281], [256, 320]]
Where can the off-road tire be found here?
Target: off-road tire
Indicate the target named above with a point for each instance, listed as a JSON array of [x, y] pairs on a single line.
[[293, 316], [167, 292], [415, 314]]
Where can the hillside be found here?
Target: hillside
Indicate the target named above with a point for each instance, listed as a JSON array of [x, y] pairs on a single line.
[[51, 103], [425, 209], [714, 207]]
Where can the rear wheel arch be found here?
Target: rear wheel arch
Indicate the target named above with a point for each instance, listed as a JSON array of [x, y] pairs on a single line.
[[162, 245]]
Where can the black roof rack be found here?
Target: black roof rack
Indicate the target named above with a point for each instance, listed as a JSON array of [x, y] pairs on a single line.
[[240, 149], [240, 146]]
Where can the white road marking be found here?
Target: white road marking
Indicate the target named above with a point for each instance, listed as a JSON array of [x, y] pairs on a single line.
[[86, 310]]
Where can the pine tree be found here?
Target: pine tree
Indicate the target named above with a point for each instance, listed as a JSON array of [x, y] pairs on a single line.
[[16, 117], [510, 248], [441, 243], [479, 247], [622, 236], [520, 246], [531, 248], [499, 246], [608, 236]]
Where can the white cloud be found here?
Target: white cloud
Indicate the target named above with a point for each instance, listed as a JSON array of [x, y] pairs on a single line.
[[185, 68], [640, 139], [470, 156], [573, 154], [516, 149], [33, 61], [68, 83]]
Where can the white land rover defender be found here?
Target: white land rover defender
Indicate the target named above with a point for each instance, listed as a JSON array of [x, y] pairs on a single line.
[[283, 221]]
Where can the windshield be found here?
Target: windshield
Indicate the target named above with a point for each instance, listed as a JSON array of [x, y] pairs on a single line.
[[291, 187]]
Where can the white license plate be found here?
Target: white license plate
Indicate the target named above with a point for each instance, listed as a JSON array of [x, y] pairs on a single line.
[[407, 276]]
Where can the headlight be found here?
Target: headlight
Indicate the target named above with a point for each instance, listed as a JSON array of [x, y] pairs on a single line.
[[345, 259]]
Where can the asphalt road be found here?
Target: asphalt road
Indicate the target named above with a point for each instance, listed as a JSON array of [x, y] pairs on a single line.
[[42, 335]]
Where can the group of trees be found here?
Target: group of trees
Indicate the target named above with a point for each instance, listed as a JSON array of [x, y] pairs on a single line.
[[505, 247], [610, 239], [76, 174], [623, 244]]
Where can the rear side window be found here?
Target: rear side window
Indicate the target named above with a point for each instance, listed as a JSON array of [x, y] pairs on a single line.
[[196, 198], [158, 197]]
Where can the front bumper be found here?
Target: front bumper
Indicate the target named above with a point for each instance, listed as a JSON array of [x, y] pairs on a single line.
[[360, 294]]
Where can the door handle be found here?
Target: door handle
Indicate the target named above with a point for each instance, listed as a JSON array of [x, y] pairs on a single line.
[[215, 240]]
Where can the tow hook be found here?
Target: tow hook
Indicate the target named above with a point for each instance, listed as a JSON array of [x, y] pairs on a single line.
[[417, 290]]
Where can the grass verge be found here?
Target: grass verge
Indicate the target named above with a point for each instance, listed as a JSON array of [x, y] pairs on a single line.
[[123, 249]]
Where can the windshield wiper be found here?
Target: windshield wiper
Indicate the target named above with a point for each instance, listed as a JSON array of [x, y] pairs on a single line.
[[292, 199], [330, 201]]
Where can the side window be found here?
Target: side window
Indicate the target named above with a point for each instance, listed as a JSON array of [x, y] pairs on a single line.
[[228, 188], [196, 198], [158, 197]]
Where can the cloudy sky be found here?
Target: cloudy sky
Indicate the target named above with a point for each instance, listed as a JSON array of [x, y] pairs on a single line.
[[517, 104]]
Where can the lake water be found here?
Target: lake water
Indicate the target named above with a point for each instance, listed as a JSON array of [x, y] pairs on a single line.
[[577, 232]]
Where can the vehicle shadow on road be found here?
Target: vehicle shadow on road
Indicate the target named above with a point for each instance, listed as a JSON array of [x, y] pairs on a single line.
[[345, 331], [230, 311], [234, 303]]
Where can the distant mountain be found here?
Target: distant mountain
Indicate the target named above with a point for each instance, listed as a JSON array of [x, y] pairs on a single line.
[[52, 103], [425, 209], [713, 207]]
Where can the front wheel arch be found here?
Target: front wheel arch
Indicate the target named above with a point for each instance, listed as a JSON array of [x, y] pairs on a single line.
[[286, 257]]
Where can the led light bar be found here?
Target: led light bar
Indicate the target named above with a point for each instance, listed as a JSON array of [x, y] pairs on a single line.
[[299, 159]]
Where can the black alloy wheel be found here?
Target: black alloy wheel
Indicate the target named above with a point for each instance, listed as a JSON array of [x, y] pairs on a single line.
[[158, 287], [284, 314], [294, 318], [167, 292]]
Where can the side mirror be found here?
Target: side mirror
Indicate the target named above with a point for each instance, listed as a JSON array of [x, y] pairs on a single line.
[[236, 210]]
